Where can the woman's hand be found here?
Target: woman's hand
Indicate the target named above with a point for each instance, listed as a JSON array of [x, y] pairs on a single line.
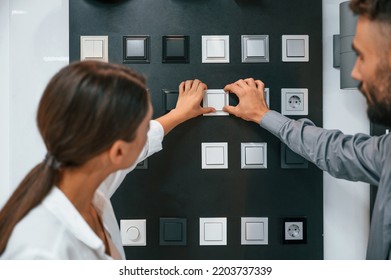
[[191, 93], [188, 106]]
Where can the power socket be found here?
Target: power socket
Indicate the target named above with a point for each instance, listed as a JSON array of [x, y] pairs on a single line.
[[294, 230], [294, 101]]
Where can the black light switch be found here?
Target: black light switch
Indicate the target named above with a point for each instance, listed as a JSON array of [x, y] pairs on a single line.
[[173, 231], [175, 49], [291, 160], [170, 99]]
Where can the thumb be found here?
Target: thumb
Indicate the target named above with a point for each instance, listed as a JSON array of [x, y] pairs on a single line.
[[231, 110], [208, 110]]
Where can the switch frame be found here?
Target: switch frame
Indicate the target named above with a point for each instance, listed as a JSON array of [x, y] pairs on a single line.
[[141, 225], [224, 98], [105, 52], [261, 241], [246, 58], [206, 145], [286, 58], [223, 222], [224, 58], [245, 165]]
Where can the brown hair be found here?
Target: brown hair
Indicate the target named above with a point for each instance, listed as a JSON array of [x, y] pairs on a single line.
[[85, 108], [374, 9]]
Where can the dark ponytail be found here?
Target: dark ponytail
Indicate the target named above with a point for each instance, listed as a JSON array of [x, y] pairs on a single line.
[[84, 109], [34, 187]]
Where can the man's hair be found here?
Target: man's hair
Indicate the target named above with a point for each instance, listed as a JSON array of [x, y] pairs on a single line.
[[379, 10]]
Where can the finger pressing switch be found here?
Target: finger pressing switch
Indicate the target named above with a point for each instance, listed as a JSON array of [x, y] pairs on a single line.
[[216, 98]]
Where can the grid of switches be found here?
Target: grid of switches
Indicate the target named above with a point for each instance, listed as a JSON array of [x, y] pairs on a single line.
[[215, 48], [212, 231]]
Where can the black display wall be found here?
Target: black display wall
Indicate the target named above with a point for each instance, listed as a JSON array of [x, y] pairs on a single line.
[[173, 184]]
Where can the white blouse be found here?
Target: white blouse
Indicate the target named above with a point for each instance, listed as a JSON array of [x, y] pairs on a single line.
[[55, 229]]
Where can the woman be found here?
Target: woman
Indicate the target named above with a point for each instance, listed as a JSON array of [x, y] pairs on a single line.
[[95, 120]]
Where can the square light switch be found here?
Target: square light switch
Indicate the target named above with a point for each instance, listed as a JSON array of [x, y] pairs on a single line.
[[216, 98], [134, 232], [295, 48], [175, 49], [214, 155], [94, 48], [254, 155], [215, 49], [173, 231], [291, 160], [136, 49], [254, 231], [213, 231], [170, 99], [255, 48]]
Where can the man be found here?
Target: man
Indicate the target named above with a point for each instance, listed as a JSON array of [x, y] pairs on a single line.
[[354, 157]]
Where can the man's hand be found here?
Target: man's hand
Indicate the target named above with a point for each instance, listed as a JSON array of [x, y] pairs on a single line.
[[252, 105]]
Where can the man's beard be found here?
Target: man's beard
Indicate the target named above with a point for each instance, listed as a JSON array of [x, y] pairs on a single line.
[[379, 110]]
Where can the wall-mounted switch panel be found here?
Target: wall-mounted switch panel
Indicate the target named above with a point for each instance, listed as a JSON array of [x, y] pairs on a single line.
[[254, 231], [266, 95], [291, 160], [213, 231], [254, 155], [170, 99], [133, 232], [173, 231], [294, 101], [214, 155], [255, 48], [175, 49], [295, 48], [215, 49], [94, 48], [216, 98], [294, 230], [136, 49]]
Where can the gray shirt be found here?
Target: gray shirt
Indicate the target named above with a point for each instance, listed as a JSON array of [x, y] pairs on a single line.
[[358, 157]]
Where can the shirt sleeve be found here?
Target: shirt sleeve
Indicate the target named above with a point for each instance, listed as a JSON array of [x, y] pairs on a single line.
[[152, 145], [352, 157]]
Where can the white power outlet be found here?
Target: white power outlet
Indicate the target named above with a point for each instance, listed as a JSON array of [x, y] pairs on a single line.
[[294, 230], [294, 101]]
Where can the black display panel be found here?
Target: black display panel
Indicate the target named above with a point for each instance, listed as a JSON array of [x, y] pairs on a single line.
[[173, 185]]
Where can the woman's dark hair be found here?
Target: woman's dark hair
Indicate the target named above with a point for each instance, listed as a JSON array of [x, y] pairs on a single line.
[[84, 109], [373, 9]]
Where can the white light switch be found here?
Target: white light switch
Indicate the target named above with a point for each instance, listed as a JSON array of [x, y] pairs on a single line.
[[215, 49], [133, 232], [255, 48], [254, 231], [216, 98], [213, 231], [254, 155], [295, 48], [214, 155], [94, 48]]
